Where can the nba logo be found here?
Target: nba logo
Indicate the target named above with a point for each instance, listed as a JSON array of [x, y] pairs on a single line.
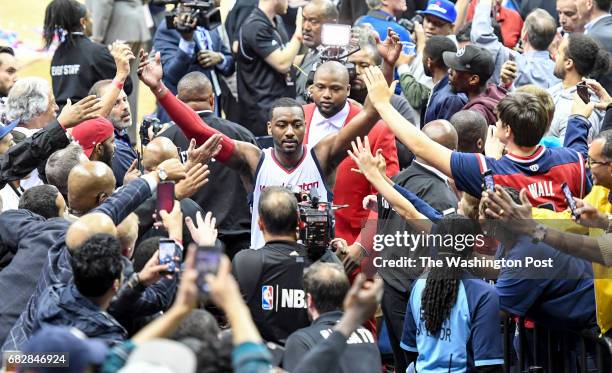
[[267, 297]]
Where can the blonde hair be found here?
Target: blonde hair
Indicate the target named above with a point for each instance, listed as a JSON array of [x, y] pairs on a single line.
[[543, 96]]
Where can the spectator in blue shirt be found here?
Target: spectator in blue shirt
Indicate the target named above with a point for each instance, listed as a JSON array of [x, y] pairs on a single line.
[[121, 118], [452, 321], [382, 15], [535, 65], [443, 101]]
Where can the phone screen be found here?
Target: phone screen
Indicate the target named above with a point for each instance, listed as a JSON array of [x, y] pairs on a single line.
[[167, 252], [489, 184], [336, 35], [569, 199], [165, 196], [207, 262], [583, 92]]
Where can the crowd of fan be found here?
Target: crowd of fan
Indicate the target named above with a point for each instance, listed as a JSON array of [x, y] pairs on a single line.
[[450, 119]]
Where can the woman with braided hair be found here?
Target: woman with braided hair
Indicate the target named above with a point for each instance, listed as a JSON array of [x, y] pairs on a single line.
[[452, 321], [77, 62]]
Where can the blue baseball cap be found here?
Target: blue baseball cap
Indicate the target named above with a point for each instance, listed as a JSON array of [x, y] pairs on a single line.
[[82, 351], [443, 9], [6, 128]]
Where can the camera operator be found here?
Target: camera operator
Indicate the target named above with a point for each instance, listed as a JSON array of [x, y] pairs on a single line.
[[187, 47], [276, 298], [315, 14]]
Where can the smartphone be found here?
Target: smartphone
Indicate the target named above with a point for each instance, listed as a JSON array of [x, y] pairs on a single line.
[[167, 252], [139, 162], [489, 184], [583, 92], [165, 196], [207, 262], [569, 199], [335, 34], [511, 57]]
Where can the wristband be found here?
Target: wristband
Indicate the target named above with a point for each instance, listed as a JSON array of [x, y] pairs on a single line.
[[539, 233], [364, 252], [118, 84]]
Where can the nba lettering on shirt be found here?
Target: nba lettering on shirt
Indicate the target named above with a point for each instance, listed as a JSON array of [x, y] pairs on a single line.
[[65, 70], [304, 186], [289, 298]]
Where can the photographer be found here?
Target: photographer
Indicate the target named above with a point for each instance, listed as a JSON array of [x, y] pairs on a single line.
[[185, 47], [278, 268]]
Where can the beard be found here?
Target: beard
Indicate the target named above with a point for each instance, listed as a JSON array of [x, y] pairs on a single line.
[[119, 124], [559, 73]]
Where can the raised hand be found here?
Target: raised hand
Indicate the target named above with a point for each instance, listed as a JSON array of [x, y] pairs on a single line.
[[150, 71], [362, 156], [508, 73], [205, 233], [299, 21], [580, 108], [378, 91], [589, 216], [197, 177], [73, 114], [173, 221], [499, 205], [360, 303], [602, 94], [205, 152], [187, 293], [391, 48], [122, 54], [493, 145]]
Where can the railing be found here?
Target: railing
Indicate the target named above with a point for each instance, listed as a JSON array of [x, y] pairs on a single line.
[[540, 350]]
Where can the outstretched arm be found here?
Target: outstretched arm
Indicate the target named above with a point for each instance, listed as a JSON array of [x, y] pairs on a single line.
[[368, 166], [239, 155], [422, 146]]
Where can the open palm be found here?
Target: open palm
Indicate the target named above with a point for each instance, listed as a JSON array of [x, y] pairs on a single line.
[[150, 71]]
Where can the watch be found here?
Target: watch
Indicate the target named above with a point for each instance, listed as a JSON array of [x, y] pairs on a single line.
[[539, 232], [162, 174]]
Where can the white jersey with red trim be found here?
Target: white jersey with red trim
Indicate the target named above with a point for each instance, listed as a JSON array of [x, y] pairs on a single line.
[[306, 176]]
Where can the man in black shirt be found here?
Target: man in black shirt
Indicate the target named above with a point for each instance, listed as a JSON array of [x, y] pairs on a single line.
[[431, 186], [265, 57], [224, 195], [8, 76], [326, 286], [270, 278]]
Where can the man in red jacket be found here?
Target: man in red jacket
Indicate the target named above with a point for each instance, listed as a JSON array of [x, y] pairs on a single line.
[[330, 112], [509, 20]]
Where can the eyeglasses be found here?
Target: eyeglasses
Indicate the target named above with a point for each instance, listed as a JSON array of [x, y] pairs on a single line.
[[592, 162]]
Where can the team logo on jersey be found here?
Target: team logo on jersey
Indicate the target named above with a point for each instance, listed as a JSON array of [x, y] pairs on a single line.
[[267, 297], [460, 52], [534, 167]]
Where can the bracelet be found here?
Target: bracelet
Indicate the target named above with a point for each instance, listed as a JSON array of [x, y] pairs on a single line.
[[118, 84]]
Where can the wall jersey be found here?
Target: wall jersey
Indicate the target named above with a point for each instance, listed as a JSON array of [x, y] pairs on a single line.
[[306, 176], [541, 174]]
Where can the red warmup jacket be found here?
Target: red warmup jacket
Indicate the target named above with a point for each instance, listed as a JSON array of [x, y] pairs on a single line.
[[351, 187], [509, 20]]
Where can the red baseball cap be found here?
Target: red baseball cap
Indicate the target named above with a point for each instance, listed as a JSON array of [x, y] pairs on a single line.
[[92, 132]]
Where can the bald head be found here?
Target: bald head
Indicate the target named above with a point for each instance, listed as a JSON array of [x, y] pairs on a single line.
[[278, 211], [541, 29], [442, 132], [86, 227], [333, 69], [158, 150], [89, 184], [127, 233], [196, 90], [471, 129]]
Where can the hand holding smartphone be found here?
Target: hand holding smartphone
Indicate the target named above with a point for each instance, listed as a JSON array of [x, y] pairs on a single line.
[[167, 253], [570, 200], [489, 184], [583, 92], [208, 259]]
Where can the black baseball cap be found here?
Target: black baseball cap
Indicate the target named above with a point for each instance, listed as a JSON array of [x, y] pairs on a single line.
[[473, 59]]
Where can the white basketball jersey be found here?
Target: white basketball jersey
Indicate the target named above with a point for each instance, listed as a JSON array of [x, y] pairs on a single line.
[[306, 176]]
